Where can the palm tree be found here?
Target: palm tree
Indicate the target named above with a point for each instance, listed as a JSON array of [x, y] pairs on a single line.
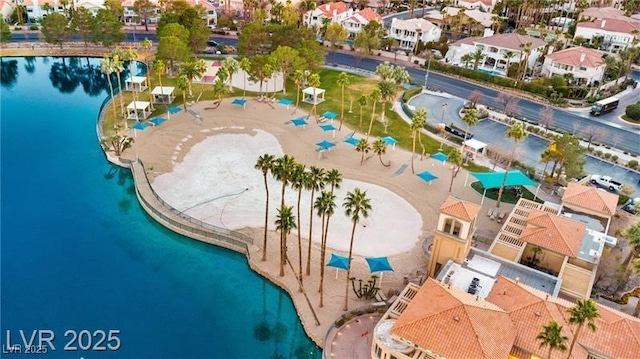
[[517, 132], [362, 101], [106, 67], [183, 84], [118, 67], [526, 50], [356, 206], [508, 55], [282, 170], [364, 147], [314, 81], [466, 59], [232, 65], [343, 80], [219, 89], [477, 56], [584, 312], [315, 182], [471, 119], [146, 46], [380, 148], [333, 178], [387, 93], [375, 97], [299, 77], [193, 69], [552, 337], [325, 206], [417, 124], [265, 164], [285, 223], [455, 158], [245, 65], [299, 181], [635, 267]]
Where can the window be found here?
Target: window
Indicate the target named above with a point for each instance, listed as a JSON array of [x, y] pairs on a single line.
[[447, 225], [378, 351], [457, 226]]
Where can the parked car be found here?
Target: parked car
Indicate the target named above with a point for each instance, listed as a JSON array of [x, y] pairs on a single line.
[[631, 206], [606, 182]]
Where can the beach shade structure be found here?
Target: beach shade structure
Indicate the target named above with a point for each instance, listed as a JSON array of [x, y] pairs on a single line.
[[494, 180], [353, 141], [440, 157], [313, 95], [135, 83], [285, 102], [390, 141], [427, 176], [379, 264], [338, 262], [300, 121], [326, 128], [325, 145], [138, 110], [163, 94], [175, 109], [329, 116], [157, 121], [240, 102], [140, 126]]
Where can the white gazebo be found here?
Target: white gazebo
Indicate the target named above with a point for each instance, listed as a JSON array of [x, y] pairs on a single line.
[[473, 147], [163, 94], [138, 110], [313, 95], [135, 83]]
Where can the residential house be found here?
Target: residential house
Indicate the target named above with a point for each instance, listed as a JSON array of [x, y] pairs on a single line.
[[496, 49], [583, 64], [438, 16], [6, 9], [360, 19], [593, 13], [595, 203], [333, 12], [616, 34], [409, 32], [484, 5]]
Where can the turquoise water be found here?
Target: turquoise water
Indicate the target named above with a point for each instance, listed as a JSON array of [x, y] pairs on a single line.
[[78, 253]]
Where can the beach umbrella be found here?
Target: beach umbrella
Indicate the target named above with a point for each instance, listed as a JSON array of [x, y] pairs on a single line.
[[140, 126], [300, 121], [427, 176], [353, 141], [440, 157], [330, 115], [338, 262], [175, 109], [325, 145], [390, 141], [326, 128], [379, 264]]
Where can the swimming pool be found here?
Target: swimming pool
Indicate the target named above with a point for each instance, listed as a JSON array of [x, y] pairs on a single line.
[[78, 253]]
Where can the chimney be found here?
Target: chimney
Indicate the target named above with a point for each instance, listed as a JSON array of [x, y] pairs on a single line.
[[487, 33], [582, 56], [604, 22]]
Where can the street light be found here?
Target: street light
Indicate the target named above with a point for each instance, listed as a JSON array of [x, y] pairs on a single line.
[[444, 107], [426, 76]]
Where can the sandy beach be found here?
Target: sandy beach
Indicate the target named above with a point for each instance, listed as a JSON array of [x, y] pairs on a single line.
[[206, 169]]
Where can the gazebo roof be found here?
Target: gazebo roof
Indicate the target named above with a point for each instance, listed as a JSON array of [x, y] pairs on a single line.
[[494, 179], [138, 105], [163, 90], [137, 79], [475, 144], [309, 90]]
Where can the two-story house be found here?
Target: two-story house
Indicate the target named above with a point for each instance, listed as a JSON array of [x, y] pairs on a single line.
[[333, 12], [499, 52], [616, 34], [409, 32], [360, 19], [583, 64], [484, 5]]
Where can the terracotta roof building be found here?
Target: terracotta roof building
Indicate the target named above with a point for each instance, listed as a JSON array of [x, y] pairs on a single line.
[[614, 34], [358, 20], [591, 201], [585, 65]]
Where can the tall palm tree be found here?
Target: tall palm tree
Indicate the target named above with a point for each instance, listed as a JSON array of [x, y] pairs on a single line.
[[507, 56], [265, 164], [333, 179], [299, 181], [517, 132], [325, 206], [470, 118], [182, 83], [299, 77], [343, 80], [552, 337], [282, 170], [146, 46], [387, 93], [304, 6], [363, 147], [379, 147], [106, 67], [375, 97], [477, 56], [314, 81], [245, 65], [455, 158], [526, 51], [232, 65], [584, 312], [362, 101], [285, 223], [417, 124], [192, 69], [315, 182], [356, 206], [118, 67]]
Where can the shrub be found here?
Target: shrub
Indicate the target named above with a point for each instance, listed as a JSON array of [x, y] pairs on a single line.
[[614, 158], [607, 155], [633, 111], [599, 153], [632, 164], [34, 28]]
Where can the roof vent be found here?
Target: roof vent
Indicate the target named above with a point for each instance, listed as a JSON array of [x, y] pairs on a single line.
[[582, 57], [456, 318], [477, 297], [504, 292], [604, 22], [517, 280], [537, 313]]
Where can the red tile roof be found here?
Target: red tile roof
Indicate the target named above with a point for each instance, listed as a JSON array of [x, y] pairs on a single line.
[[554, 233], [578, 56], [511, 41], [591, 198], [615, 25], [455, 324], [327, 9], [466, 211], [367, 14]]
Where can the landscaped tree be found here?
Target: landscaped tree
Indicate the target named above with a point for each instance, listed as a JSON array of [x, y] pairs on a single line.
[[418, 122], [106, 67], [287, 59], [526, 51], [517, 133], [299, 78], [55, 29], [117, 144], [192, 69], [470, 118], [219, 89], [343, 81], [474, 97], [107, 29], [282, 170], [362, 101], [299, 181], [477, 56], [265, 165], [315, 182], [507, 56], [363, 147], [379, 147], [159, 69], [466, 60], [232, 65], [314, 81], [145, 10], [285, 223], [566, 153], [551, 336], [367, 40], [118, 67], [593, 134], [182, 83], [387, 94], [455, 158], [336, 35], [171, 49], [5, 30], [325, 206], [546, 117], [357, 206], [245, 65], [584, 312], [82, 22], [632, 235], [509, 103], [375, 96], [260, 70]]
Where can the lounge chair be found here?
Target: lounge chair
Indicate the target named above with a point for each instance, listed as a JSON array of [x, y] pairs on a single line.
[[493, 215], [501, 216], [489, 212]]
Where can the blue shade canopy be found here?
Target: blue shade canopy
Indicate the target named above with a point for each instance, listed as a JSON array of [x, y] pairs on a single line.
[[140, 126], [175, 109], [337, 261], [352, 141], [330, 115], [157, 120], [324, 144], [326, 128], [379, 264], [300, 121], [390, 141], [239, 101], [440, 156], [427, 176], [285, 101], [494, 179]]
